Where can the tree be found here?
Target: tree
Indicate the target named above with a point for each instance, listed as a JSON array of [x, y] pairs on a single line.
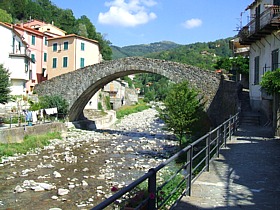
[[5, 17], [50, 102], [223, 63], [4, 85], [182, 108]]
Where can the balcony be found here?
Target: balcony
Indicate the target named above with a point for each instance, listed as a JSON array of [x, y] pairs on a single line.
[[25, 53], [260, 27]]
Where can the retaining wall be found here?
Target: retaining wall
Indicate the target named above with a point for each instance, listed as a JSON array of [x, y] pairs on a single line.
[[16, 135]]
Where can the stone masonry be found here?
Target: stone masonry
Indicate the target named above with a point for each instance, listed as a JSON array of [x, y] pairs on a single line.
[[79, 86]]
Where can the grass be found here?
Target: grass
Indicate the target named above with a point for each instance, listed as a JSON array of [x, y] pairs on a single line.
[[30, 142], [126, 110]]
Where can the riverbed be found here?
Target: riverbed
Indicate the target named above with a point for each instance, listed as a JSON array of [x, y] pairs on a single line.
[[79, 171]]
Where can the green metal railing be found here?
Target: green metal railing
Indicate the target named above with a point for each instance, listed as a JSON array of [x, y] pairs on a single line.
[[164, 192]]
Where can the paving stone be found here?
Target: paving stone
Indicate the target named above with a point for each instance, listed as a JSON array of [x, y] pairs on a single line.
[[245, 176]]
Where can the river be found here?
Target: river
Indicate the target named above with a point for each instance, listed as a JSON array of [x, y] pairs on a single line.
[[79, 171]]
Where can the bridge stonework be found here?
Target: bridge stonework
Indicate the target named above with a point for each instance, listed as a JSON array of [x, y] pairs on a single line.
[[79, 86]]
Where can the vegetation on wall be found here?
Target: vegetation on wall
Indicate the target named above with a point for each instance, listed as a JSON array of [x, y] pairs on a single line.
[[4, 85], [271, 81], [239, 63], [45, 10]]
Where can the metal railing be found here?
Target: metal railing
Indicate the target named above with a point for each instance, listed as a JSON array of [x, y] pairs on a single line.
[[19, 120], [195, 159], [265, 18]]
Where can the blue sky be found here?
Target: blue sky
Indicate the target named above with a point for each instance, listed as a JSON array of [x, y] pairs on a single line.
[[132, 22]]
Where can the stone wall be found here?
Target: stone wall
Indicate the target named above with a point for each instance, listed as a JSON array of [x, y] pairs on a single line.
[[16, 135], [78, 87], [225, 102]]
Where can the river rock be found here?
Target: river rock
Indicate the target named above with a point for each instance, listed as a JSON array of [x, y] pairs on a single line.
[[84, 183], [62, 191], [19, 189], [46, 186], [56, 174]]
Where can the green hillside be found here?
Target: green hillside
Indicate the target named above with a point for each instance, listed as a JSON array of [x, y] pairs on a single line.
[[200, 54], [142, 49]]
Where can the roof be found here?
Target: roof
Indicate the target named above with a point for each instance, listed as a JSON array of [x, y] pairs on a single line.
[[75, 36], [253, 4], [9, 26], [24, 28], [35, 22]]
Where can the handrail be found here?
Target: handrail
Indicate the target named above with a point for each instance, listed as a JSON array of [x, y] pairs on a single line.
[[265, 18], [213, 140]]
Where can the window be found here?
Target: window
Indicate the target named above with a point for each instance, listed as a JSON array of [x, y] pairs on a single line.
[[257, 71], [65, 46], [33, 40], [46, 41], [54, 47], [54, 63], [45, 56], [274, 59], [82, 62], [65, 62], [26, 64], [32, 58], [83, 46]]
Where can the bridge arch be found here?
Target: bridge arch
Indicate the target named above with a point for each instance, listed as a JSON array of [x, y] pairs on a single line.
[[79, 86]]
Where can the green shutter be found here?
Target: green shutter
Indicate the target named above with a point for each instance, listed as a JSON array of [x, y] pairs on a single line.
[[54, 63]]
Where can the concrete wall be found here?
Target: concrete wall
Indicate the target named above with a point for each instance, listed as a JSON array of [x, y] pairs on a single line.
[[16, 135]]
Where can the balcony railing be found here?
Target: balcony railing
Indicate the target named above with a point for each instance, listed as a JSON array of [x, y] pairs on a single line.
[[261, 26]]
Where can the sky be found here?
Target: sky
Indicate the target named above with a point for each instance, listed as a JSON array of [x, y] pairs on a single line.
[[133, 22]]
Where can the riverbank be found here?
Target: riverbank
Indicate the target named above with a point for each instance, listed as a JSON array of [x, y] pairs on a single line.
[[79, 171]]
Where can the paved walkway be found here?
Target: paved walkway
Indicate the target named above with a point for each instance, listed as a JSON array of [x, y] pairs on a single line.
[[246, 176]]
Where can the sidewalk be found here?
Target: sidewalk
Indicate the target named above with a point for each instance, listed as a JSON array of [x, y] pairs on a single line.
[[246, 176]]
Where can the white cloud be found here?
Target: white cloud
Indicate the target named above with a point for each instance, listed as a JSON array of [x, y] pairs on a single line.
[[127, 14], [192, 23]]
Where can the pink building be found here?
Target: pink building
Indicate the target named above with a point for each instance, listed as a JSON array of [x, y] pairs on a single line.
[[36, 33]]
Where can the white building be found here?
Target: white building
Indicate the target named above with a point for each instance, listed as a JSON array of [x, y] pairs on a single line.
[[15, 57], [263, 35]]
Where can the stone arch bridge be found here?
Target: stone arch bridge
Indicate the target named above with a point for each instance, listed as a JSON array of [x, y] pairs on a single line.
[[79, 86]]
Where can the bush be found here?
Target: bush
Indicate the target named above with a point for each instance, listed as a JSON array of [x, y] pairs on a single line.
[[50, 102], [271, 81]]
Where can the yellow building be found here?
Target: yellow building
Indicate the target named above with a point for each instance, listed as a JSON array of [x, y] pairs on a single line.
[[71, 52], [46, 28]]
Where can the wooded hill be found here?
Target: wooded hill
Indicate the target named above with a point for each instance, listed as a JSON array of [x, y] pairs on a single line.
[[201, 54]]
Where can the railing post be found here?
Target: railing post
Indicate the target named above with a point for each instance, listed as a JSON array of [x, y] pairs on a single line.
[[152, 189], [208, 140], [225, 135], [218, 140], [189, 169], [230, 129]]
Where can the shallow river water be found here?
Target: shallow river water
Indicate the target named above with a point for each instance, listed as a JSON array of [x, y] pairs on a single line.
[[84, 166]]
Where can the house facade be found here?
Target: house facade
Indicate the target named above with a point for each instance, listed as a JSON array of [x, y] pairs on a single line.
[[263, 36], [71, 52], [46, 28], [37, 45], [16, 57]]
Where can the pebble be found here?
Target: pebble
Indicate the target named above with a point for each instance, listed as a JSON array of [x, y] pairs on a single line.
[[124, 140], [62, 191]]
